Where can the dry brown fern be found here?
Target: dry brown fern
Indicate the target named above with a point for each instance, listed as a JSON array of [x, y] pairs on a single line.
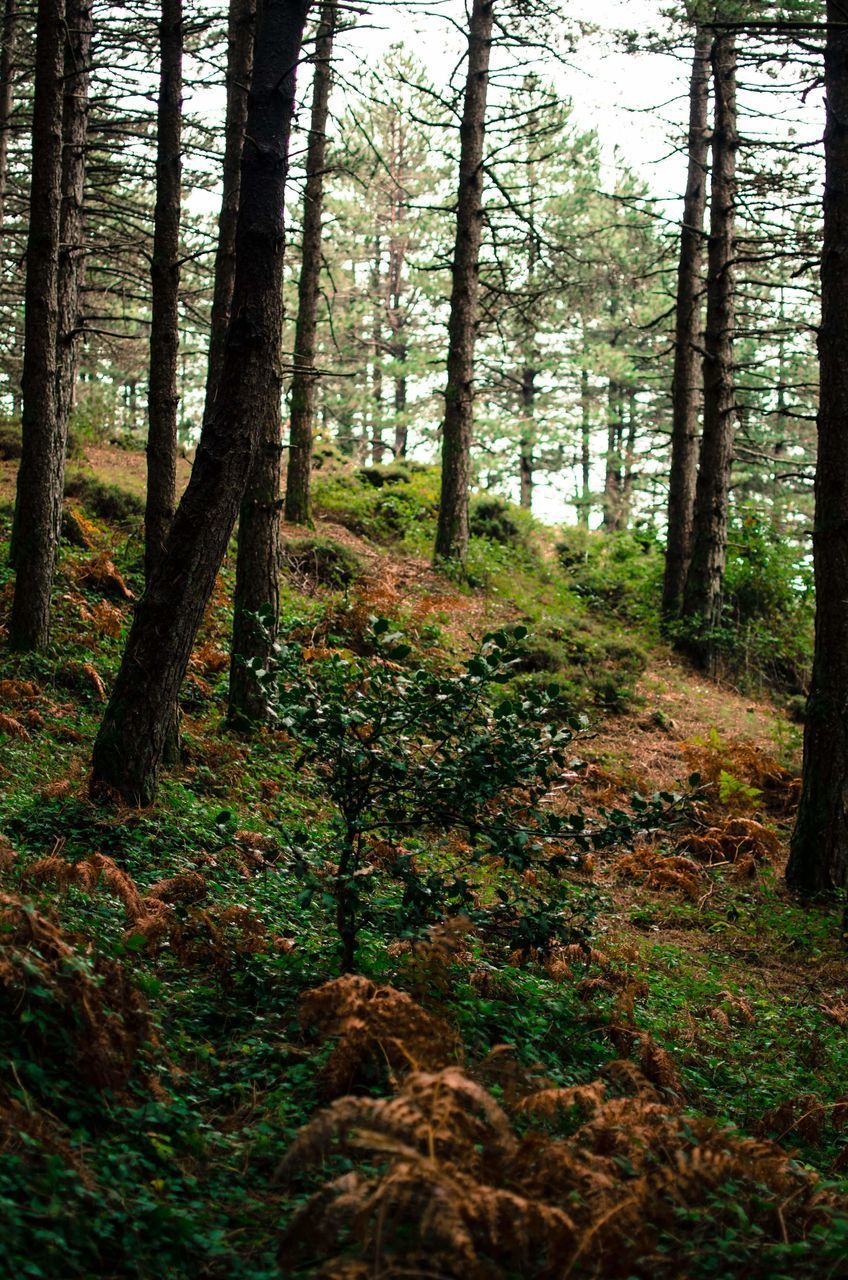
[[94, 1002], [371, 1025], [732, 840]]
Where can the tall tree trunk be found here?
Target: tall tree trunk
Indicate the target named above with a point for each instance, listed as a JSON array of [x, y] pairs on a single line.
[[129, 746], [818, 858], [703, 588], [7, 68], [612, 477], [401, 425], [377, 444], [629, 477], [38, 507], [241, 30], [72, 229], [526, 460], [686, 381], [302, 413], [585, 503], [163, 395], [452, 531]]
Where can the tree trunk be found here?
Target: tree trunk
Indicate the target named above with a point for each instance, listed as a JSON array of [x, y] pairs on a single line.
[[163, 396], [584, 508], [302, 414], [818, 858], [72, 230], [38, 507], [629, 480], [241, 31], [526, 460], [452, 531], [703, 588], [686, 382], [401, 426], [612, 477], [129, 745], [7, 67]]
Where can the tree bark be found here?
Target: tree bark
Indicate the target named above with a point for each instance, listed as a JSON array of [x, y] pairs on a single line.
[[38, 507], [452, 530], [129, 745], [585, 502], [526, 460], [686, 382], [163, 395], [72, 228], [703, 588], [818, 860], [302, 414], [612, 476], [241, 32], [7, 68]]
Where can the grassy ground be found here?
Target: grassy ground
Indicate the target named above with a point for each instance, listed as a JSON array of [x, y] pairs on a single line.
[[141, 1125]]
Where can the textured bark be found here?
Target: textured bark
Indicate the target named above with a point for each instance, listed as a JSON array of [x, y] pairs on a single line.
[[72, 226], [401, 427], [241, 32], [526, 459], [302, 413], [452, 531], [686, 380], [585, 501], [38, 507], [7, 68], [613, 474], [163, 395], [703, 588], [819, 851], [129, 745]]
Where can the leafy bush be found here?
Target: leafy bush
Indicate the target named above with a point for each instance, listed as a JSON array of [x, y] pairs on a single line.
[[10, 441], [619, 572], [768, 606], [108, 501], [495, 518], [322, 561], [400, 752], [404, 503]]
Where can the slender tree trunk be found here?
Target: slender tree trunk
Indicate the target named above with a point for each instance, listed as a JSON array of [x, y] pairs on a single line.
[[7, 68], [686, 380], [163, 395], [612, 477], [703, 588], [241, 31], [377, 444], [72, 229], [526, 460], [585, 504], [452, 531], [629, 477], [129, 745], [38, 508], [401, 427], [818, 858], [302, 414]]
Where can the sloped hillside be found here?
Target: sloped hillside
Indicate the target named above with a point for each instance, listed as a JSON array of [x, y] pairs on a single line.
[[588, 1032]]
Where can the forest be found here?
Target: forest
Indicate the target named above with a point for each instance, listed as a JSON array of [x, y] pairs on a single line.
[[423, 640]]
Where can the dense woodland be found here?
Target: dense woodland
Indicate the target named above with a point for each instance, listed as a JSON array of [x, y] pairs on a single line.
[[423, 641]]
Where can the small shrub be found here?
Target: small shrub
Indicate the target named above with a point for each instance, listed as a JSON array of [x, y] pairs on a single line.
[[10, 441], [108, 501], [620, 573], [496, 519], [322, 562]]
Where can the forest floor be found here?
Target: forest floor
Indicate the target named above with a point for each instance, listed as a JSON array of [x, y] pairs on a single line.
[[155, 1065]]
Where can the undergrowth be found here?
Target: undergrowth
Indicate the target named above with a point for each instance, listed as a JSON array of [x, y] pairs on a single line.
[[655, 1087]]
